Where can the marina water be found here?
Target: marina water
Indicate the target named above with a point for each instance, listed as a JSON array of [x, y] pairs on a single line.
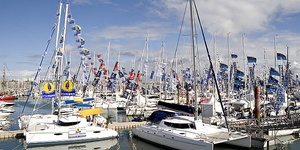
[[124, 142]]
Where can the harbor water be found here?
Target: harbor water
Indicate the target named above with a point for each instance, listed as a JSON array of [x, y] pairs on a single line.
[[125, 141]]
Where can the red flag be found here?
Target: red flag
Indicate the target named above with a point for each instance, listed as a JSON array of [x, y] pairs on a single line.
[[131, 76], [139, 77], [104, 71], [116, 66]]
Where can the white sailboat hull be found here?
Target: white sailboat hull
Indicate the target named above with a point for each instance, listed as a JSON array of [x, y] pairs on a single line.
[[54, 134], [170, 140], [188, 140]]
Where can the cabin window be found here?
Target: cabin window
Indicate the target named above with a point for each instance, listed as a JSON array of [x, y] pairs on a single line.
[[68, 123], [180, 125]]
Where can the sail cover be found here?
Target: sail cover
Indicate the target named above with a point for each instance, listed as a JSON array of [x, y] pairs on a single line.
[[177, 107], [88, 112]]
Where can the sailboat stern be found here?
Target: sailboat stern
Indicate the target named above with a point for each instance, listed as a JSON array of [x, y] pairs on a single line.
[[234, 138]]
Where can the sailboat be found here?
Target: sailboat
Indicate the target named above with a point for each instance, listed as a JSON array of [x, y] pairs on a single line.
[[173, 130], [63, 128], [3, 95]]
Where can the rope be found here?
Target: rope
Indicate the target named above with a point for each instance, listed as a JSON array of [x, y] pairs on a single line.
[[39, 68]]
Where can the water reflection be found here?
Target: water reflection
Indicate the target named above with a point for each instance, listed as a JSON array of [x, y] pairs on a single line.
[[97, 145]]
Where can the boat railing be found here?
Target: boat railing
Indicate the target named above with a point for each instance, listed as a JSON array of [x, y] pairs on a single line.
[[185, 133], [274, 122]]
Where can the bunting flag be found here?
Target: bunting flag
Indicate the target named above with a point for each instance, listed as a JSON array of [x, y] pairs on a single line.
[[66, 72], [297, 81], [98, 73], [271, 89], [131, 75], [116, 66], [209, 73], [163, 76], [113, 76], [238, 80], [121, 75], [280, 98], [272, 80], [252, 76], [160, 69], [274, 72], [223, 66], [281, 56], [239, 73], [95, 82], [251, 59], [152, 74], [234, 56], [138, 76], [82, 51], [236, 87], [124, 71]]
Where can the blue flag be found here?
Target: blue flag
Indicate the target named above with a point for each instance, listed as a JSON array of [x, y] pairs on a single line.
[[234, 56], [274, 72], [251, 59], [281, 56]]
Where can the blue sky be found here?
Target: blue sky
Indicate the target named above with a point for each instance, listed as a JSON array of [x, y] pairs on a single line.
[[26, 26]]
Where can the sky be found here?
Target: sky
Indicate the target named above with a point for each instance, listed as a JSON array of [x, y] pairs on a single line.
[[120, 27]]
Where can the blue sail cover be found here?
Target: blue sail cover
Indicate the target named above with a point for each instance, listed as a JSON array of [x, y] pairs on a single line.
[[177, 107], [158, 115]]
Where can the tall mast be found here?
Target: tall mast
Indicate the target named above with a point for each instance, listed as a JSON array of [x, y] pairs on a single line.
[[275, 53], [3, 82], [61, 59], [194, 62], [56, 42], [228, 50]]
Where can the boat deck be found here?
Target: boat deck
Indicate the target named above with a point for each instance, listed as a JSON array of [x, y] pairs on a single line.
[[221, 137]]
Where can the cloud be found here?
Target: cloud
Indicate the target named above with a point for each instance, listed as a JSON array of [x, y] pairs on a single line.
[[157, 30]]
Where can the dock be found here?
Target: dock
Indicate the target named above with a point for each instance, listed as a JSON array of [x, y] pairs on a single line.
[[125, 125], [114, 126], [11, 134]]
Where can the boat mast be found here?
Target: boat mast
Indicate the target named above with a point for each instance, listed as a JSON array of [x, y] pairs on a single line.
[[3, 82], [60, 75], [228, 50], [56, 42], [194, 62], [211, 64]]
